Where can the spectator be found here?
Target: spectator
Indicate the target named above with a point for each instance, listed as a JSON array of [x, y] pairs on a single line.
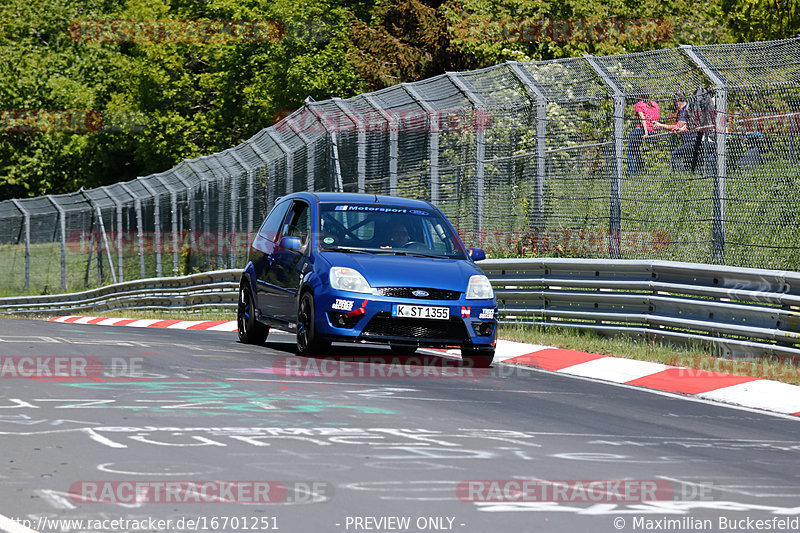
[[681, 157], [647, 112]]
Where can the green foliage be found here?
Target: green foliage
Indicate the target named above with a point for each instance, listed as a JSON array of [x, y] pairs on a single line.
[[187, 99]]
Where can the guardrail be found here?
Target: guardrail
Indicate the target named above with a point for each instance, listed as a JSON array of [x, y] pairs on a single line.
[[740, 311], [196, 291]]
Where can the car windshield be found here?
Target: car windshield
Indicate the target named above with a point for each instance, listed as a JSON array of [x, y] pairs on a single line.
[[386, 229]]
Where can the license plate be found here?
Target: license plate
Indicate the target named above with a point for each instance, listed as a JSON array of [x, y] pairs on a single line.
[[421, 311]]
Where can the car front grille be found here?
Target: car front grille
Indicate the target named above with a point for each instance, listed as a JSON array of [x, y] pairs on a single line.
[[407, 292], [384, 326]]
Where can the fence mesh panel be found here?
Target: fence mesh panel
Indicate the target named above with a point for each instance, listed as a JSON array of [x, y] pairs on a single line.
[[541, 158]]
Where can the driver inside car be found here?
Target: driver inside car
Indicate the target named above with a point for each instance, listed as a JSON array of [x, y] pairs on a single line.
[[398, 236]]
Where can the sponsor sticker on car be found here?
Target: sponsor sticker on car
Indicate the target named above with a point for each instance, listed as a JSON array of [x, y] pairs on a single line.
[[420, 311], [342, 305], [487, 313]]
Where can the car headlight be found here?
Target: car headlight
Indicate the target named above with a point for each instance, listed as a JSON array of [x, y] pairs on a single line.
[[348, 279], [479, 288]]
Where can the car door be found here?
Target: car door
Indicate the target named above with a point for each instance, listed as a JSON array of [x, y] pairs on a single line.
[[289, 266], [262, 255]]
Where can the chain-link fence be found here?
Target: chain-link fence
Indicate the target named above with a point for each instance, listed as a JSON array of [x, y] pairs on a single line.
[[539, 158]]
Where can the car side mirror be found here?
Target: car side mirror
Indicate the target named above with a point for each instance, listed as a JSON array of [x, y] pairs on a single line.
[[290, 243], [477, 254]]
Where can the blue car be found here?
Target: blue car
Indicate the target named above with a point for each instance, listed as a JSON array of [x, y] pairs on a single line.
[[336, 267]]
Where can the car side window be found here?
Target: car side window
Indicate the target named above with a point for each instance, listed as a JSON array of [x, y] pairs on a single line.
[[270, 228], [298, 222]]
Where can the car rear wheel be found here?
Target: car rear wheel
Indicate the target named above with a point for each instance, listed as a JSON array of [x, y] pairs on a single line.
[[251, 331], [307, 341], [477, 357]]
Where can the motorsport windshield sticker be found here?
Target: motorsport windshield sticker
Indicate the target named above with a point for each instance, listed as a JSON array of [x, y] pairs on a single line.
[[380, 209]]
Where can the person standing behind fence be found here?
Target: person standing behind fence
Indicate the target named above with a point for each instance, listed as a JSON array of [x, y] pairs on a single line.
[[647, 112], [680, 158]]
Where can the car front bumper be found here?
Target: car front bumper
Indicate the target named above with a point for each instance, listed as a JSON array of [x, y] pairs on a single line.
[[346, 316]]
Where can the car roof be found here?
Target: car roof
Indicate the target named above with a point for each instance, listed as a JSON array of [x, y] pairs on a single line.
[[328, 197]]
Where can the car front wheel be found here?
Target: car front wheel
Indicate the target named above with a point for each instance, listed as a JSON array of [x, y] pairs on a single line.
[[307, 341], [251, 331]]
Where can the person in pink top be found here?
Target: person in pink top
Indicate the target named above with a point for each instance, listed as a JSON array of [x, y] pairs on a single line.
[[647, 112]]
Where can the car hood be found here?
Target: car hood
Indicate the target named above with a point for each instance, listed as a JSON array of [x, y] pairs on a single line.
[[407, 271]]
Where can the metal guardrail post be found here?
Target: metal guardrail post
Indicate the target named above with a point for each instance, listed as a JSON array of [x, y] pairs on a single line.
[[288, 157], [720, 130], [479, 105], [392, 122], [27, 222], [118, 208], [433, 151], [615, 215], [137, 205], [540, 97], [361, 142], [62, 220], [156, 224]]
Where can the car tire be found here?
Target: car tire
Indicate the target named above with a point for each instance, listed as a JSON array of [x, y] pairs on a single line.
[[251, 331], [308, 343], [403, 349], [477, 357]]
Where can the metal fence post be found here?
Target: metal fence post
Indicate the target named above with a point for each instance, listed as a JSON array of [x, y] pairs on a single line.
[[720, 130], [206, 207], [392, 122], [137, 205], [310, 155], [63, 229], [615, 215], [99, 215], [219, 180], [156, 223], [250, 178], [118, 206], [173, 201], [288, 157], [27, 221], [361, 142], [540, 97], [433, 147], [267, 162], [479, 105], [337, 169]]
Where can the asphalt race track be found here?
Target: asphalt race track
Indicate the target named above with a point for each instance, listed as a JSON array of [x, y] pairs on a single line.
[[203, 433]]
